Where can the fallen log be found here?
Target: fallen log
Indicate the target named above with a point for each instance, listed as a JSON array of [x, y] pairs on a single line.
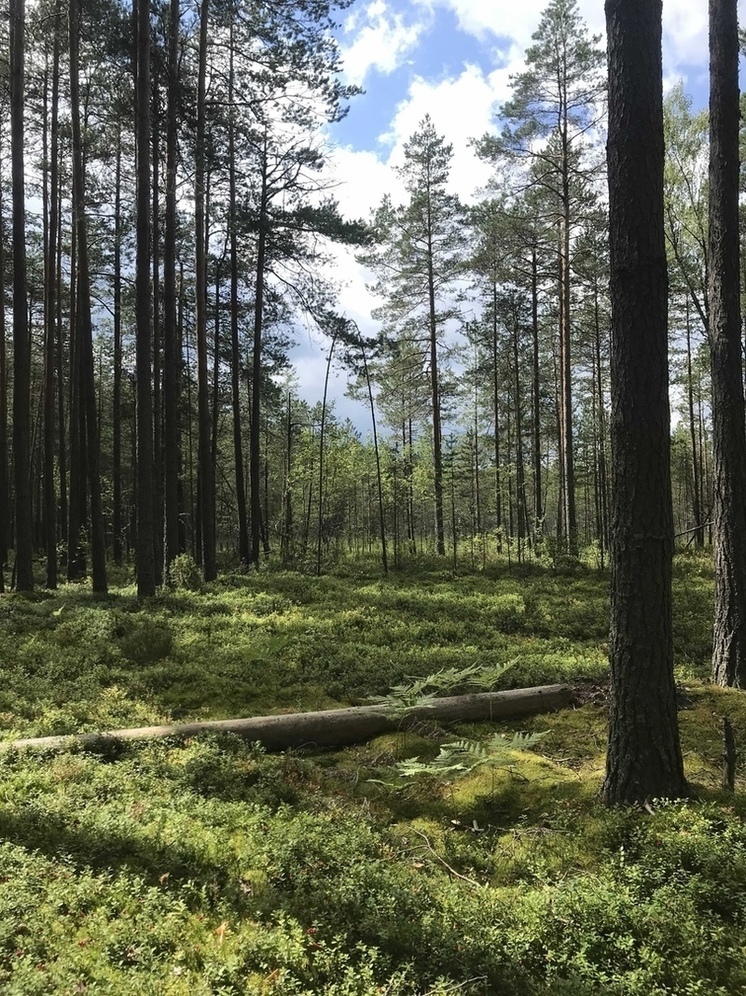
[[333, 727]]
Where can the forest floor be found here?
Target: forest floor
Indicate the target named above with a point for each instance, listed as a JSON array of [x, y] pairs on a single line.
[[211, 867]]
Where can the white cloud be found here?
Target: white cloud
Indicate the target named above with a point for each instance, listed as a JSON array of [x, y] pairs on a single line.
[[684, 25], [384, 42], [685, 34], [362, 179], [384, 35], [462, 108], [517, 20]]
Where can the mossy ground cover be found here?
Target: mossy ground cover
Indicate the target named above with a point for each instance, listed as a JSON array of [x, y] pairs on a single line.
[[210, 867]]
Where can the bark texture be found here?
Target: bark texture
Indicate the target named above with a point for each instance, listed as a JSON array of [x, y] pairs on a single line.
[[644, 759], [728, 433], [143, 316], [171, 345], [24, 570], [335, 727]]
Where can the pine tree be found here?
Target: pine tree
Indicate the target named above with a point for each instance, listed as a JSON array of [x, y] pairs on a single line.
[[419, 261], [24, 574], [554, 108], [144, 320]]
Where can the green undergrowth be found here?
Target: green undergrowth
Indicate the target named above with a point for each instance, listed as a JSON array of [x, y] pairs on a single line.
[[207, 866]]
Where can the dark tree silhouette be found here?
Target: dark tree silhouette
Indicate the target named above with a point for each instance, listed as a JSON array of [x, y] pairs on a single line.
[[728, 433], [644, 759], [24, 573]]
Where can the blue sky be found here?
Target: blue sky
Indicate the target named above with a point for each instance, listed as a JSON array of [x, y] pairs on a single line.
[[452, 59]]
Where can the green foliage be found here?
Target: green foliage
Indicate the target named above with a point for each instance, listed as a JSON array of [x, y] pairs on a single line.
[[184, 574], [145, 641], [209, 866], [462, 757], [418, 693]]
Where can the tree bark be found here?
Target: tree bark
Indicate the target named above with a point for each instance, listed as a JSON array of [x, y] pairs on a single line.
[[538, 526], [116, 470], [89, 414], [644, 759], [440, 539], [143, 317], [728, 433], [50, 313], [565, 363], [241, 513], [205, 471], [24, 572], [336, 727], [171, 342], [156, 377], [4, 481], [255, 428]]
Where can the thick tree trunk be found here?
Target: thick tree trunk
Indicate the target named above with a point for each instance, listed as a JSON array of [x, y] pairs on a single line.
[[336, 727], [24, 572], [144, 328], [644, 759], [728, 434]]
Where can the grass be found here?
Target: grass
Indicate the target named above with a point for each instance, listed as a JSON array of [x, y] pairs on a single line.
[[210, 867]]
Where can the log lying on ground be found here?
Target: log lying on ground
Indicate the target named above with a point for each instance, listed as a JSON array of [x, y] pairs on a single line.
[[335, 727]]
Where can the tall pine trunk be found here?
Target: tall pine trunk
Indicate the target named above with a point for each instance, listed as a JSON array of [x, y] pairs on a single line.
[[205, 468], [243, 530], [146, 580], [24, 572], [697, 503], [440, 539], [157, 406], [536, 398], [116, 469], [644, 759], [728, 434], [171, 338], [4, 483], [50, 314], [89, 452], [256, 370]]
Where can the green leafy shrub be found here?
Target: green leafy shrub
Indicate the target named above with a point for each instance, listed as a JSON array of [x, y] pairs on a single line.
[[224, 766], [184, 574], [143, 640], [507, 612]]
